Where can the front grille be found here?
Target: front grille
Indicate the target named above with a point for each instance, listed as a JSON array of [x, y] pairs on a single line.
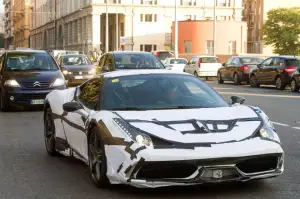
[[82, 73], [31, 96], [31, 85], [258, 164], [161, 170]]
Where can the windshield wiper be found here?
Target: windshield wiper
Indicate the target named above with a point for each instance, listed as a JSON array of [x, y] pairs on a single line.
[[178, 107], [129, 109]]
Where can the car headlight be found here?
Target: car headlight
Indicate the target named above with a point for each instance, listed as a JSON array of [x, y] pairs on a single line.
[[59, 82], [65, 72], [12, 83], [133, 133], [269, 134], [92, 71]]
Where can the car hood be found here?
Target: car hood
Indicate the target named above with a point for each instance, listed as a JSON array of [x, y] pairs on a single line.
[[72, 68], [32, 76], [207, 125]]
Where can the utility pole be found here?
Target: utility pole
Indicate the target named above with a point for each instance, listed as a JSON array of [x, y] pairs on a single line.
[[215, 31], [117, 30], [54, 24], [106, 28], [176, 32]]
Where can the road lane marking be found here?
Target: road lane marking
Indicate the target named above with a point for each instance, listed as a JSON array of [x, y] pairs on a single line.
[[261, 95], [280, 124], [298, 128], [222, 88]]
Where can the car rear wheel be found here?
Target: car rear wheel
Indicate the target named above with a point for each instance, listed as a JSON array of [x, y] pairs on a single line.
[[3, 103], [236, 79], [97, 160], [279, 83], [294, 87], [220, 81], [196, 74], [49, 133], [253, 81]]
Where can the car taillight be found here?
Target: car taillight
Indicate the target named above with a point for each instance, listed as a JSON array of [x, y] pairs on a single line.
[[157, 54], [199, 63], [290, 69], [244, 68]]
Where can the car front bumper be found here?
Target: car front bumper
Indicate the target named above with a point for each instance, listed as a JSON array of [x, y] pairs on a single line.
[[240, 161], [77, 79]]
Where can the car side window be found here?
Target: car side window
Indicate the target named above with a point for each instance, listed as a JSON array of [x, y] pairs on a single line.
[[191, 60], [90, 93], [278, 62], [267, 62], [109, 62], [229, 61], [235, 62]]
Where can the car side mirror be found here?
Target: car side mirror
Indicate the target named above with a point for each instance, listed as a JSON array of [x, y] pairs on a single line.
[[224, 64], [72, 106], [106, 68], [237, 100], [259, 66]]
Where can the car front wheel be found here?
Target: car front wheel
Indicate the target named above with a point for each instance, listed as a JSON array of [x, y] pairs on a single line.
[[294, 87], [3, 103], [97, 159], [49, 133], [220, 81], [254, 82]]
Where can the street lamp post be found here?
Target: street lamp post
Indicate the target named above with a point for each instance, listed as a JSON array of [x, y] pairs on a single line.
[[54, 24], [176, 32], [117, 29], [106, 28], [215, 24]]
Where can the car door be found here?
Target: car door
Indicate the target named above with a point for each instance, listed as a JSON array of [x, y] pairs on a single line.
[[228, 66], [88, 96], [187, 67], [232, 68], [277, 66], [261, 73]]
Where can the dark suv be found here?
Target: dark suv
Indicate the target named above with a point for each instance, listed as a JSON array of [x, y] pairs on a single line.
[[274, 71], [27, 77]]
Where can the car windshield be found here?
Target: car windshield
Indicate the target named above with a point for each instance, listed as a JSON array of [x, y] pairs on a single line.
[[137, 61], [293, 62], [75, 60], [159, 91], [251, 60], [178, 61], [30, 62], [164, 55], [209, 60]]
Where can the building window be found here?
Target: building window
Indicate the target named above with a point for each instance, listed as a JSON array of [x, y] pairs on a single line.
[[149, 2], [148, 17], [190, 17], [232, 47], [148, 47], [113, 1], [210, 47], [221, 3], [221, 18], [188, 2], [187, 46]]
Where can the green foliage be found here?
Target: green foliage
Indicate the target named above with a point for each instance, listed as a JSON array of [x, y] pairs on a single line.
[[282, 30]]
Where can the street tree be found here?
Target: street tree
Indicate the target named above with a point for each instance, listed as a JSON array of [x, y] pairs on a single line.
[[282, 30]]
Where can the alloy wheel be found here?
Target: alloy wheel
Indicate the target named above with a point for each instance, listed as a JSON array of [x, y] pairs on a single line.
[[49, 134], [253, 81], [95, 156], [278, 83], [294, 87]]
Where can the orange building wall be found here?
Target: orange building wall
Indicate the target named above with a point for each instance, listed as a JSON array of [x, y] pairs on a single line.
[[200, 31]]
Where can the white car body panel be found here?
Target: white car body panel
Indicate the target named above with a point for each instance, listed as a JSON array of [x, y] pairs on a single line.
[[208, 69], [170, 125]]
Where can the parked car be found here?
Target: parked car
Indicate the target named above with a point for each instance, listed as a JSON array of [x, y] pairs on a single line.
[[27, 77], [237, 69], [275, 70], [163, 54], [153, 128], [122, 60], [175, 64], [76, 68], [295, 83], [203, 66]]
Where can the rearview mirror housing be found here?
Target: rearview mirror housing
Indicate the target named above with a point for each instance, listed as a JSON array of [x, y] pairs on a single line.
[[237, 100], [72, 106]]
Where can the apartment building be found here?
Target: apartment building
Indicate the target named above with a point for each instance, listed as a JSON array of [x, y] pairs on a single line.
[[8, 23], [145, 24], [255, 14], [21, 12]]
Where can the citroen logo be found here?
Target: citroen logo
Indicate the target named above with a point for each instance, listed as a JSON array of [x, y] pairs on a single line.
[[217, 174], [36, 84]]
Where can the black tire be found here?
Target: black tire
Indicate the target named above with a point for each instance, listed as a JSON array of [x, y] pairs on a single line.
[[97, 166], [253, 82], [236, 79], [4, 106], [196, 74], [294, 87], [49, 133], [279, 84], [219, 78]]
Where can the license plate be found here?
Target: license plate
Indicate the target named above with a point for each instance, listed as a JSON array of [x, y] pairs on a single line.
[[37, 101], [78, 77]]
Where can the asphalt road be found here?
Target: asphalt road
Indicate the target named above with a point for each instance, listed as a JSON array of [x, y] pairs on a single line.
[[27, 172]]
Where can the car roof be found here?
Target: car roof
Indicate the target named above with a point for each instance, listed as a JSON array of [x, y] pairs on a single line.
[[284, 57], [127, 52], [26, 51], [122, 73], [72, 55], [241, 57], [205, 56]]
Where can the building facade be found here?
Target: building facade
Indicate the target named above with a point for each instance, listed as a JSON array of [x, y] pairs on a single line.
[[144, 24], [8, 24], [196, 37], [21, 22], [255, 14]]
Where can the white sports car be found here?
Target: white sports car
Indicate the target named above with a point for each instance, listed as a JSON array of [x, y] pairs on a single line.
[[152, 128]]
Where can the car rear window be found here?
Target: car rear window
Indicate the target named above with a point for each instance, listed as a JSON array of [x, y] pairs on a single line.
[[209, 60], [137, 61], [251, 60], [293, 62], [30, 62], [164, 55], [178, 61]]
